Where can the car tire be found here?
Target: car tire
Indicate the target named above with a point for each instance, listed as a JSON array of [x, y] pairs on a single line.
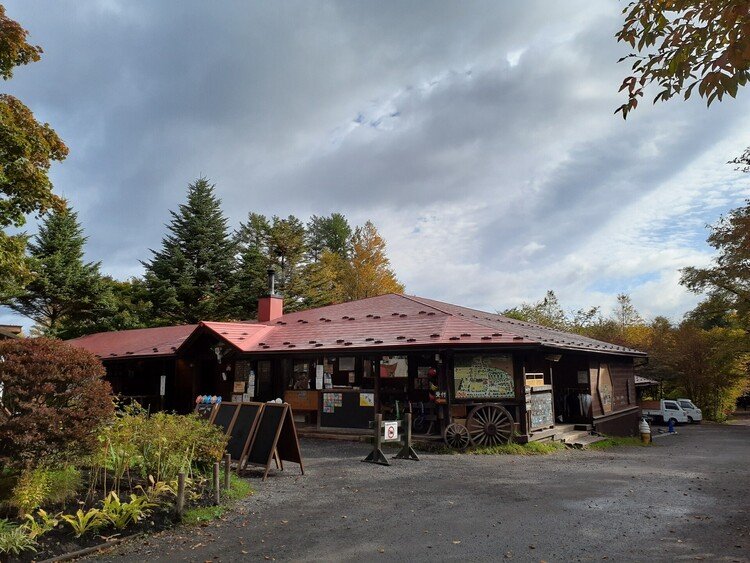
[[690, 420]]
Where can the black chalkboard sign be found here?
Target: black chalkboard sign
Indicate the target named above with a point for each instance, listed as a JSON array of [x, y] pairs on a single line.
[[224, 416], [266, 434], [350, 414], [243, 428], [205, 410], [275, 436]]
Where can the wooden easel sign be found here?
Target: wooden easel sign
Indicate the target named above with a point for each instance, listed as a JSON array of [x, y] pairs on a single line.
[[274, 436]]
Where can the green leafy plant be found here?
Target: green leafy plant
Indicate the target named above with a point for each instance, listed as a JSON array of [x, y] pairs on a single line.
[[14, 539], [41, 524], [158, 489], [84, 522], [120, 514]]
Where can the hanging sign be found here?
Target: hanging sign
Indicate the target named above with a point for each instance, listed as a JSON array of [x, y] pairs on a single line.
[[390, 431], [163, 385]]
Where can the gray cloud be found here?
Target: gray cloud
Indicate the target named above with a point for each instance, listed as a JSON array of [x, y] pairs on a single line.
[[495, 117]]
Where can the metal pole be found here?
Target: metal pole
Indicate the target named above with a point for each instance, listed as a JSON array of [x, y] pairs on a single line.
[[378, 425]]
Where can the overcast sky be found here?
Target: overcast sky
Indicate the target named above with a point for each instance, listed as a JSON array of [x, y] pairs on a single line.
[[479, 137]]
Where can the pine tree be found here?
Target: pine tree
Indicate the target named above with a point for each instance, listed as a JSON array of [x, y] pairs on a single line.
[[369, 272], [193, 276], [331, 233], [65, 289], [252, 282]]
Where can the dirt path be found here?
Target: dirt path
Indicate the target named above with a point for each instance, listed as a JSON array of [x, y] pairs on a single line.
[[685, 498]]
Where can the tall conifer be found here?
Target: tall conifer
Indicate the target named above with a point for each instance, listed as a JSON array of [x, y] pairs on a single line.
[[193, 276]]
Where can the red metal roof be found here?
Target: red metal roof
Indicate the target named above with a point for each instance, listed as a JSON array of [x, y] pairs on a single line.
[[140, 342], [386, 322]]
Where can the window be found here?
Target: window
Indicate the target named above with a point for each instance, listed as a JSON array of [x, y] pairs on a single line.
[[687, 405], [671, 406]]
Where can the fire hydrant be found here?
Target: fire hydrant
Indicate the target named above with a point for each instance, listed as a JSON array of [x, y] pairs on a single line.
[[645, 431]]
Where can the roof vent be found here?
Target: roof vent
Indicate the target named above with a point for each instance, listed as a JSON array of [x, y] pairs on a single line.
[[486, 338], [225, 332], [431, 314], [286, 343], [497, 334], [400, 337], [376, 316], [244, 334], [322, 319], [369, 339], [465, 334], [304, 322], [422, 313], [434, 335], [155, 349], [345, 317], [128, 352], [454, 338], [411, 339], [318, 345], [351, 318], [402, 315], [369, 316], [394, 314], [292, 345], [378, 342], [347, 343], [261, 343], [300, 321], [311, 342], [518, 338], [340, 341], [328, 320]]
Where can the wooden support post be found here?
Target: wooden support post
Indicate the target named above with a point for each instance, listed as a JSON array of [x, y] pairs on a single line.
[[217, 494], [180, 494], [227, 468], [407, 452], [376, 455]]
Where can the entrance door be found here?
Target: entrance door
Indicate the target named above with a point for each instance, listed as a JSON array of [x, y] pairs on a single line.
[[263, 383]]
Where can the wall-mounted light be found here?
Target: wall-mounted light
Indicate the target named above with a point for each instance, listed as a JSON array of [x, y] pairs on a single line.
[[219, 350]]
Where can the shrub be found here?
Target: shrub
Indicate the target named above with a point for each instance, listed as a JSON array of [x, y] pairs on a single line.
[[31, 490], [63, 484], [54, 400], [120, 514], [159, 445]]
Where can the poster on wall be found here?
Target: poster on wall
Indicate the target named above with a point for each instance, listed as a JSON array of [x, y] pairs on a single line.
[[483, 376], [604, 388], [394, 366], [367, 399]]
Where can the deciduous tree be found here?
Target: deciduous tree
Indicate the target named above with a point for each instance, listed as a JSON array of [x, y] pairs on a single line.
[[368, 272], [27, 150], [683, 44]]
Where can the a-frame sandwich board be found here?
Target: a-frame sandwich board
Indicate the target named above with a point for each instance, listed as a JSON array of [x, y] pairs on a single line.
[[275, 436]]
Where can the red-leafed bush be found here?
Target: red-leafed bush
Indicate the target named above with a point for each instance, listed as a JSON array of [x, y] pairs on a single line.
[[53, 401]]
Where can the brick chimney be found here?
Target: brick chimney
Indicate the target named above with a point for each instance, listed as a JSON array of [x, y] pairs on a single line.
[[270, 307]]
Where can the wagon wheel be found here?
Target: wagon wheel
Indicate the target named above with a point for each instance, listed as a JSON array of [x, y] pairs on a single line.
[[457, 436], [489, 425]]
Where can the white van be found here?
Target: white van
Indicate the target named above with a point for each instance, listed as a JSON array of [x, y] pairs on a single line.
[[693, 413], [663, 411]]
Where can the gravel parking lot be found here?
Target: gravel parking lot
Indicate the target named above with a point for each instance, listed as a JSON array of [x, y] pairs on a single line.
[[687, 497]]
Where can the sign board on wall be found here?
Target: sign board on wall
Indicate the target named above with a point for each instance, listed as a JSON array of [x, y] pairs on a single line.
[[483, 376], [163, 385]]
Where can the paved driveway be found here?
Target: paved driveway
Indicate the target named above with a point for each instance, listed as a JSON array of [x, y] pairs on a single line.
[[687, 497]]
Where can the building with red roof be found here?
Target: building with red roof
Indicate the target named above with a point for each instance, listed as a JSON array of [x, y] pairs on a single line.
[[342, 363]]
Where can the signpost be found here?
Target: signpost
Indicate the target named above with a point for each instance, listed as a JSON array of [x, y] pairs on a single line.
[[388, 432]]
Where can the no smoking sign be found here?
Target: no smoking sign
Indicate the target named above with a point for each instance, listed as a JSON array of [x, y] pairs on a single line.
[[390, 430]]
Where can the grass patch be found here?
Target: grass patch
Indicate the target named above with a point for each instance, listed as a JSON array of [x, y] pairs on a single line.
[[532, 448], [238, 489], [203, 514], [616, 442]]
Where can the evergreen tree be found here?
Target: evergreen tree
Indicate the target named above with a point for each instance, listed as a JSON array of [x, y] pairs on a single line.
[[253, 257], [368, 272], [65, 290], [192, 277], [332, 233]]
